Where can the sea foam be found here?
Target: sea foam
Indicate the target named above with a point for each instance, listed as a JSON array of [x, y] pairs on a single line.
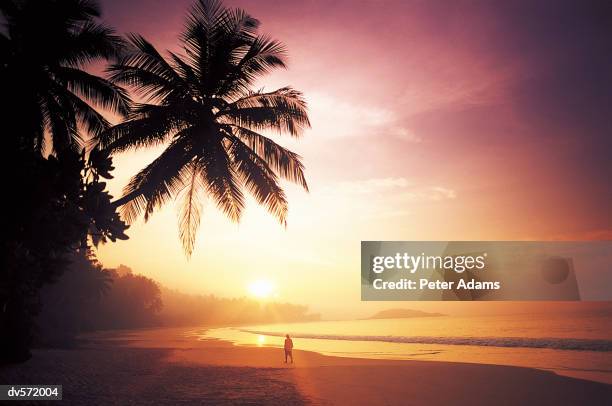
[[574, 344]]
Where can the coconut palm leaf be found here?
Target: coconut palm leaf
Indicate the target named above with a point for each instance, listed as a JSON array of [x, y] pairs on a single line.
[[44, 50], [200, 103]]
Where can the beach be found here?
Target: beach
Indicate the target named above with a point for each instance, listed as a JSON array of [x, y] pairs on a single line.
[[170, 366], [412, 196], [538, 341]]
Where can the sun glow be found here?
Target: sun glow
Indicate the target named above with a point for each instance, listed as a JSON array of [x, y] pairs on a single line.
[[261, 289], [261, 340]]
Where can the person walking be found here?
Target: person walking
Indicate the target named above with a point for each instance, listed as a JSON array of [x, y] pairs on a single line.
[[288, 348]]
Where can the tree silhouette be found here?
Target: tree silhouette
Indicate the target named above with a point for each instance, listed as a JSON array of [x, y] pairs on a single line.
[[60, 199], [68, 306], [43, 51], [201, 104]]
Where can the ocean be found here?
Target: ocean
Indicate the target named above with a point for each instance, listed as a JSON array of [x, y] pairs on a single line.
[[577, 346]]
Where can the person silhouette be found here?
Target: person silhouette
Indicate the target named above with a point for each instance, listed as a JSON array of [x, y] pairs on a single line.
[[288, 348]]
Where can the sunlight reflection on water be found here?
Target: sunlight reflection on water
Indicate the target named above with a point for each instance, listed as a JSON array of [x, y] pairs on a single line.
[[353, 342]]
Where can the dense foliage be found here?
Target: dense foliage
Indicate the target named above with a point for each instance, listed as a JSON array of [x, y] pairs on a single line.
[[58, 145], [57, 197]]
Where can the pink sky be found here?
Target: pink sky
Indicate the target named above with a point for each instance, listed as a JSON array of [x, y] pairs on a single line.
[[430, 120]]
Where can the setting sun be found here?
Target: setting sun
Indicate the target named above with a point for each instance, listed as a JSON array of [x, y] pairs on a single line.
[[261, 288], [306, 202], [261, 340]]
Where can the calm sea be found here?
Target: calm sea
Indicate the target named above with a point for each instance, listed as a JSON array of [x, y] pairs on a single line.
[[579, 346]]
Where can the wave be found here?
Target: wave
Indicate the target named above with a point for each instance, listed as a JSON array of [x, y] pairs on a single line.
[[573, 344]]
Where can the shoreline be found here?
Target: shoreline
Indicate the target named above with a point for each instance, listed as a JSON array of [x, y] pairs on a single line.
[[582, 364], [167, 366]]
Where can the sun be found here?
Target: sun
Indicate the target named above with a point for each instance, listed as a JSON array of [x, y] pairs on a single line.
[[261, 288], [261, 340]]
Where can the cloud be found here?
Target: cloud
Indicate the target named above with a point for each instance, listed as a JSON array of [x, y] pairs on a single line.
[[588, 235], [382, 214], [334, 117], [399, 189], [429, 193], [367, 186], [378, 198], [405, 134], [457, 88]]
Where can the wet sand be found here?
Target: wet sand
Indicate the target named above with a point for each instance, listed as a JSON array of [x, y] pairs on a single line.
[[167, 366]]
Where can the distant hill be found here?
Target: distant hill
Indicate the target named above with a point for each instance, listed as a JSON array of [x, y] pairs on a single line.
[[402, 314]]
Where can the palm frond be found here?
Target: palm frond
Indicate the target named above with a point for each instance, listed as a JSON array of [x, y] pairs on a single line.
[[206, 13], [91, 42], [287, 164], [62, 122], [200, 98], [186, 71], [99, 91], [259, 180], [283, 110], [153, 125], [45, 45], [146, 70], [145, 84], [192, 201], [91, 120], [261, 56], [157, 183], [213, 37], [89, 8], [238, 26], [221, 180]]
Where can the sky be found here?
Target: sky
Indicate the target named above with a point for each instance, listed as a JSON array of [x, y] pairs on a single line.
[[431, 120]]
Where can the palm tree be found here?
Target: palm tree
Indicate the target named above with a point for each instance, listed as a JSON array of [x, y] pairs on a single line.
[[49, 106], [201, 105], [48, 95]]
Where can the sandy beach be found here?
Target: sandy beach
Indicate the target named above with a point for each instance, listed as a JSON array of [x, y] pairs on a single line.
[[168, 366], [413, 196]]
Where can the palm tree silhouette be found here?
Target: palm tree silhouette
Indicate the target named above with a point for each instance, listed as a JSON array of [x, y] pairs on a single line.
[[43, 50], [201, 103]]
